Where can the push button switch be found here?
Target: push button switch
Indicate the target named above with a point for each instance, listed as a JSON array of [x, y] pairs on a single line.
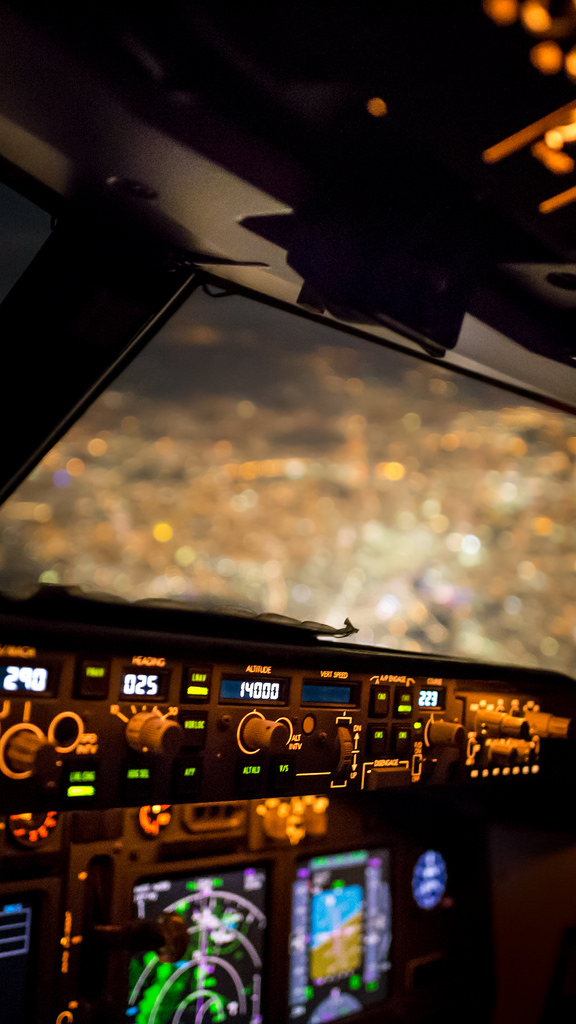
[[402, 740], [194, 726], [250, 778], [281, 773], [379, 701], [187, 777], [403, 702], [377, 740]]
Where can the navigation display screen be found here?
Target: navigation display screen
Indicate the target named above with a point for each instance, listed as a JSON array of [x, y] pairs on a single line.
[[16, 920], [219, 978], [341, 935]]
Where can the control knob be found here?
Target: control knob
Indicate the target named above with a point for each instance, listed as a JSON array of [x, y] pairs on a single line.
[[498, 723], [25, 750], [258, 733], [150, 733], [444, 734], [549, 726]]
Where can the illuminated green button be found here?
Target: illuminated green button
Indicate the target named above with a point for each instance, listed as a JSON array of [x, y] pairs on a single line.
[[403, 702], [249, 777], [187, 777], [377, 740], [196, 684], [402, 740], [80, 791], [138, 782], [194, 726], [379, 700], [80, 782], [92, 680], [281, 773]]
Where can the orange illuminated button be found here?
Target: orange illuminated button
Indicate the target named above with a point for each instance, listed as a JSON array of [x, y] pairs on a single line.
[[32, 829], [153, 818], [309, 724]]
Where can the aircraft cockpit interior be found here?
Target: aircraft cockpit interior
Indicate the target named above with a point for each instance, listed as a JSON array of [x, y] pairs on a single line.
[[288, 513]]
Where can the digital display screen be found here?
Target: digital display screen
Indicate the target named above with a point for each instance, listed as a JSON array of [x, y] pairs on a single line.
[[16, 923], [326, 693], [433, 698], [32, 678], [149, 685], [341, 935], [219, 977], [263, 691]]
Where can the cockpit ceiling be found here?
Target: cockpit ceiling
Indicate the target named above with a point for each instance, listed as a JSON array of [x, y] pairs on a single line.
[[408, 168]]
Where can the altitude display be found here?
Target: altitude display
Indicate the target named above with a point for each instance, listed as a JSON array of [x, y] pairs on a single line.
[[341, 935], [263, 691], [220, 977]]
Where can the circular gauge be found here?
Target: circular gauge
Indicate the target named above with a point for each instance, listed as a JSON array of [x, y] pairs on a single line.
[[154, 818], [219, 978], [429, 879], [32, 828]]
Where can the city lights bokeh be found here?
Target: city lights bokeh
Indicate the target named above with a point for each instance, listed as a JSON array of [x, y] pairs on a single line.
[[252, 459]]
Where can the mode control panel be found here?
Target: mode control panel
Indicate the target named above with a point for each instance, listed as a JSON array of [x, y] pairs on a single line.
[[130, 726]]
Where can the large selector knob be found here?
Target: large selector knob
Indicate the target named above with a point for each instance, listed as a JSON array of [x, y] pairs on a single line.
[[25, 750], [440, 733], [258, 733], [150, 733]]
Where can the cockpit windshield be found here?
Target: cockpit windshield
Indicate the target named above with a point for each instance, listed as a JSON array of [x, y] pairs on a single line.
[[253, 458]]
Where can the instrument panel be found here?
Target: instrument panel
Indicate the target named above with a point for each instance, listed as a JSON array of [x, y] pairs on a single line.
[[94, 716], [213, 819]]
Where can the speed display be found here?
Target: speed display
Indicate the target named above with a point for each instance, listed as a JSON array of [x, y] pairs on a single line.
[[219, 978], [34, 679], [264, 691]]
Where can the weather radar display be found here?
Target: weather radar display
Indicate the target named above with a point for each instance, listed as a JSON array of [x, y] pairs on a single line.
[[219, 979], [341, 935]]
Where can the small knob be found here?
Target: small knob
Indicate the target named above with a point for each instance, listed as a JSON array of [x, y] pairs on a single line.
[[444, 734], [258, 733], [149, 733], [22, 749]]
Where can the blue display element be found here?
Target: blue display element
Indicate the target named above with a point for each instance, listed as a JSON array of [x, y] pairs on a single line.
[[323, 693], [431, 698], [333, 911], [261, 691], [429, 879]]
